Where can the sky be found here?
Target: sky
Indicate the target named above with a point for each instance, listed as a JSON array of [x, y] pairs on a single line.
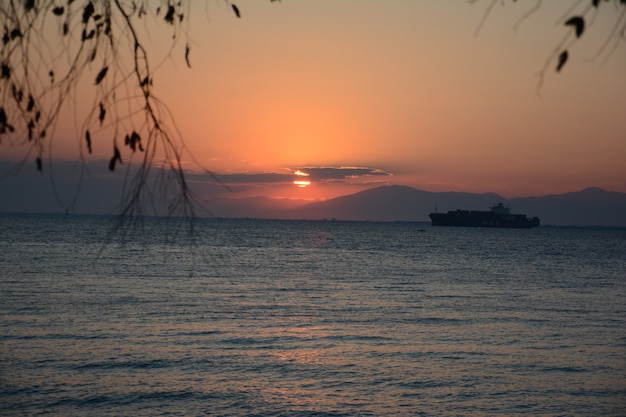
[[345, 95]]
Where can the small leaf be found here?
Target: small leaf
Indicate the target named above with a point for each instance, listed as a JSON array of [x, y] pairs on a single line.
[[169, 17], [595, 3], [236, 10], [117, 157], [16, 33], [578, 23], [31, 103], [102, 113], [58, 10], [87, 12], [187, 49], [39, 165], [101, 74], [562, 60], [18, 95], [88, 140], [5, 71], [29, 5], [89, 35], [135, 140]]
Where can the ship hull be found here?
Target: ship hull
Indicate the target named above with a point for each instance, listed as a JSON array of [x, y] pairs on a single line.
[[466, 218]]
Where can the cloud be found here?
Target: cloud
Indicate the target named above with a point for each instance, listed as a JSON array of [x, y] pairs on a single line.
[[316, 174], [258, 178], [334, 174]]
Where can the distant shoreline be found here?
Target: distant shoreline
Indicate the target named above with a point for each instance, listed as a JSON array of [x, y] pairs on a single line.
[[217, 218]]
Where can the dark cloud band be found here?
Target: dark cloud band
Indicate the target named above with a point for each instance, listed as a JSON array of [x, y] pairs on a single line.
[[315, 174], [340, 173]]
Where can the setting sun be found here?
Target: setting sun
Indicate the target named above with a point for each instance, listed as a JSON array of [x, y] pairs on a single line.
[[302, 183]]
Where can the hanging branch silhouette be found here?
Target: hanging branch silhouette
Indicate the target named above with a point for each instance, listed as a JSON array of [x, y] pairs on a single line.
[[40, 82], [576, 22]]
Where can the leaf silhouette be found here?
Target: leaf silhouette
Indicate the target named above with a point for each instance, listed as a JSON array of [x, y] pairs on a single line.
[[5, 71], [595, 3], [88, 140], [117, 157], [18, 95], [579, 24], [58, 10], [102, 113], [169, 17], [89, 35], [31, 127], [133, 140], [87, 12], [31, 103], [562, 60], [39, 165], [4, 125], [101, 74], [187, 49], [236, 10]]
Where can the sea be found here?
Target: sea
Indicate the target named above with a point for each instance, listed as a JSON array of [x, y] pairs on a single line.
[[225, 317]]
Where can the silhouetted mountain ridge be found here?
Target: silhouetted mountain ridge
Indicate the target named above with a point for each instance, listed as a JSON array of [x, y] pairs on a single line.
[[589, 207]]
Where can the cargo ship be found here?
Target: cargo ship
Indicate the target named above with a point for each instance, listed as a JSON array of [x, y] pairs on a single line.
[[499, 216]]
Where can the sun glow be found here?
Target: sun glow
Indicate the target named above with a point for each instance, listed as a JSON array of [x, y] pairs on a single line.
[[302, 183]]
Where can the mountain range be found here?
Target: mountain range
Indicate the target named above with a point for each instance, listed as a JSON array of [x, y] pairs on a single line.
[[589, 207], [28, 191]]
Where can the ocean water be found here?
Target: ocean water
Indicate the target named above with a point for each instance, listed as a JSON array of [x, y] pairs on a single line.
[[290, 318]]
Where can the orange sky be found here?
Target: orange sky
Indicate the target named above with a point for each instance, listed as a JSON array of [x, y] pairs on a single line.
[[402, 89]]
